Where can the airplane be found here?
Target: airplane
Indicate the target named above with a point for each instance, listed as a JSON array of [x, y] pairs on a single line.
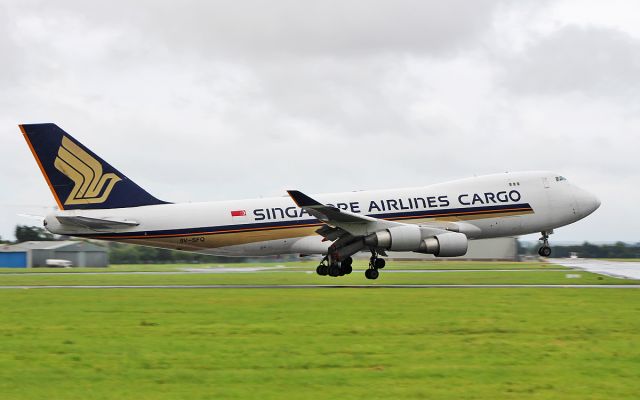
[[96, 201]]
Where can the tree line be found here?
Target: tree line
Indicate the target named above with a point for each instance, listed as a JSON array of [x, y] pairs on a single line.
[[122, 253], [589, 250]]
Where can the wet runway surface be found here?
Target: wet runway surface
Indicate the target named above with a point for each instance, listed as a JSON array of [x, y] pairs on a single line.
[[616, 269]]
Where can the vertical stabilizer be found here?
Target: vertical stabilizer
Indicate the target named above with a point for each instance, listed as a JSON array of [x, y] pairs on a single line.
[[77, 177]]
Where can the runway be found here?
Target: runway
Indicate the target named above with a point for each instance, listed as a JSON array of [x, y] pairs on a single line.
[[258, 270], [616, 269], [320, 287], [626, 270]]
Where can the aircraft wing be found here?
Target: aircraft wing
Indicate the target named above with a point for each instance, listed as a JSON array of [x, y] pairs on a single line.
[[340, 222], [354, 224], [351, 233], [95, 223]]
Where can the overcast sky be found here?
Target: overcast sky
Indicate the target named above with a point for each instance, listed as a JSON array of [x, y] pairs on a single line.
[[217, 100]]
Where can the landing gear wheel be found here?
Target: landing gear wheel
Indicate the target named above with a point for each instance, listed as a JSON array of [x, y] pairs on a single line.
[[322, 270], [375, 263], [346, 269], [379, 263], [371, 274], [334, 270], [347, 262], [544, 251]]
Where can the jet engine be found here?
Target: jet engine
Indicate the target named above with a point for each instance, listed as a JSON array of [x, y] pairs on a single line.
[[450, 244], [410, 238]]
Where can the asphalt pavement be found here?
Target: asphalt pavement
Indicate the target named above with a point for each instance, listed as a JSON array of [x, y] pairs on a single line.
[[616, 269]]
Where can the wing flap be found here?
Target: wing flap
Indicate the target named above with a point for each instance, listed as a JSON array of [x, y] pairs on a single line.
[[330, 233]]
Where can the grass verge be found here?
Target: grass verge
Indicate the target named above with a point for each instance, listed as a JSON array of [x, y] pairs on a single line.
[[320, 344]]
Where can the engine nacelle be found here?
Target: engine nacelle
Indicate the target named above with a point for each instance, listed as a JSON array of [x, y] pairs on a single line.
[[409, 238], [450, 244], [398, 238]]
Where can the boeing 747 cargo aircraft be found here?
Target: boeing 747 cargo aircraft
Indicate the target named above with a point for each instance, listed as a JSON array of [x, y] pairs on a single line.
[[97, 201]]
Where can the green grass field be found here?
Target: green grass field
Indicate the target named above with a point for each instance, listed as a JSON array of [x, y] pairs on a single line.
[[319, 344], [310, 278]]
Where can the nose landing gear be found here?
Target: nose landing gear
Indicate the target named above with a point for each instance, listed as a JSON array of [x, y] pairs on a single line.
[[545, 250]]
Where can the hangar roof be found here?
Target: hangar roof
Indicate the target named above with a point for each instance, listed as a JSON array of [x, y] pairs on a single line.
[[64, 245]]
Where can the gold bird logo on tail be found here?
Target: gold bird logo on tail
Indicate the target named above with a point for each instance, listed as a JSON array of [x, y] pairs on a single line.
[[91, 186]]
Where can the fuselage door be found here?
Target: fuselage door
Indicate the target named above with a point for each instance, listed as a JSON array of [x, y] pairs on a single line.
[[545, 182]]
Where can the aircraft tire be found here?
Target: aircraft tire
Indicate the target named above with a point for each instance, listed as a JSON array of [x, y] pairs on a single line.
[[379, 263], [371, 274], [544, 251]]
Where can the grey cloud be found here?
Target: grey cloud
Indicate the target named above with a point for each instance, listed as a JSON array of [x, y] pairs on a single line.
[[588, 60], [256, 28], [217, 100], [13, 57]]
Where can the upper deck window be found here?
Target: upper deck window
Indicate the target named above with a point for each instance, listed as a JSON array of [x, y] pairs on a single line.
[[560, 178]]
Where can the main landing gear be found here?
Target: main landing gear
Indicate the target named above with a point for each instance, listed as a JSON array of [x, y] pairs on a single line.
[[341, 268], [335, 268], [545, 250], [375, 263]]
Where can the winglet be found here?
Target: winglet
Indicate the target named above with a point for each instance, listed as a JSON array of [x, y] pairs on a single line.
[[325, 212], [302, 200]]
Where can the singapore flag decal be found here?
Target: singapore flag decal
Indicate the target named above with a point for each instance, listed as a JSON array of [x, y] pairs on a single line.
[[238, 213]]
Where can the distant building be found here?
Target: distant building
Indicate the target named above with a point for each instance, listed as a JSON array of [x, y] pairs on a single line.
[[503, 249], [36, 254]]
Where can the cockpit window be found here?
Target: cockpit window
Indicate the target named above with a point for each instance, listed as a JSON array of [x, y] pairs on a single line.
[[560, 178]]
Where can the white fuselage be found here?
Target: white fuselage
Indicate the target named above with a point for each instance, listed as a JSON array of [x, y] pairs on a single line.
[[489, 206]]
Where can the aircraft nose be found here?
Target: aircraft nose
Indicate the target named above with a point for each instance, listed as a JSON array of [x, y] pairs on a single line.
[[587, 202], [596, 203]]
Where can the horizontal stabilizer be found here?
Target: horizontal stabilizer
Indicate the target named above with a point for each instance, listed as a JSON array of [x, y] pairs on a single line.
[[95, 223]]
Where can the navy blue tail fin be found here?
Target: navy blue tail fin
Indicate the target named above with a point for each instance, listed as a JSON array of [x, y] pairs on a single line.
[[77, 177]]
